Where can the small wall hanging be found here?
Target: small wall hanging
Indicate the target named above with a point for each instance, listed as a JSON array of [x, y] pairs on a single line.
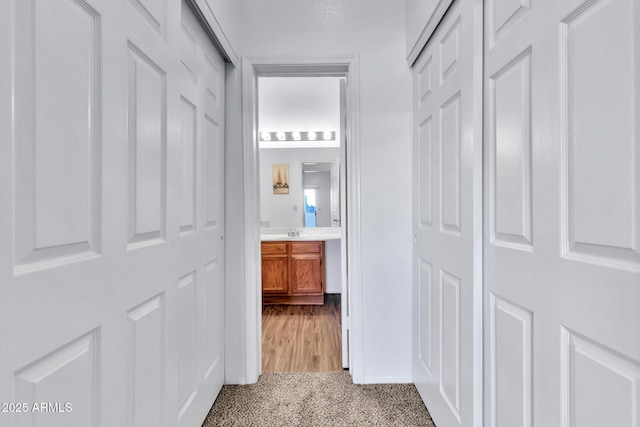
[[280, 177]]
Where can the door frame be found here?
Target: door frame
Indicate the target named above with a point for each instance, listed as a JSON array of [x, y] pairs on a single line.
[[211, 25], [341, 66]]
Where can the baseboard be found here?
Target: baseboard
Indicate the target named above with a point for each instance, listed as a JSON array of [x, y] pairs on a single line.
[[388, 380], [293, 299], [238, 381]]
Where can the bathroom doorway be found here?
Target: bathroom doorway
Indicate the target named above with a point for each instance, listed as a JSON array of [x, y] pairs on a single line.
[[301, 151]]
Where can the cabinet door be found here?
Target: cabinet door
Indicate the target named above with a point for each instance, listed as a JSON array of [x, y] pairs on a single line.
[[306, 274], [275, 277]]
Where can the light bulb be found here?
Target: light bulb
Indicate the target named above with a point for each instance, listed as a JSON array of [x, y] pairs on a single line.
[[296, 136], [326, 135], [312, 136], [266, 136], [280, 136]]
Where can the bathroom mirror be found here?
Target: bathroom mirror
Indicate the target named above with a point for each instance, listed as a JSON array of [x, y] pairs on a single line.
[[321, 189]]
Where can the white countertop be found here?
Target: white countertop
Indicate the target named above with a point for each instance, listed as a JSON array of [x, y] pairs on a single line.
[[310, 233]]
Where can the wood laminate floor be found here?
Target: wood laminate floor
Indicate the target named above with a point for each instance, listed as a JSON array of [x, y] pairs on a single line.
[[302, 338]]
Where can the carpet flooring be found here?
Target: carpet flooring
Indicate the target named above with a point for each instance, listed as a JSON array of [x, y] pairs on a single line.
[[317, 399]]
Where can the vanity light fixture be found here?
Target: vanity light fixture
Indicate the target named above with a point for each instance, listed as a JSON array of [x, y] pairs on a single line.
[[298, 136]]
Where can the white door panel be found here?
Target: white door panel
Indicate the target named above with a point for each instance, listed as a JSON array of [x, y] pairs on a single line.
[[444, 162], [562, 249], [111, 202]]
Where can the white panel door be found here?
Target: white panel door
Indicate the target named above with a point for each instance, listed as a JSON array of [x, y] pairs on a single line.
[[111, 161], [562, 212], [443, 151], [199, 318]]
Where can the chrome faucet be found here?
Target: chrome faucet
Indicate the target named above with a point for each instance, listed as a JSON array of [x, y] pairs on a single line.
[[293, 233]]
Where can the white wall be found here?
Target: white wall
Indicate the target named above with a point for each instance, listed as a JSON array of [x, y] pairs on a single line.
[[374, 30], [286, 210], [418, 13], [333, 263], [299, 103]]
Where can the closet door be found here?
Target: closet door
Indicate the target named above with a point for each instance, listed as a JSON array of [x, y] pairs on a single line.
[[445, 220], [562, 232], [111, 306], [198, 314]]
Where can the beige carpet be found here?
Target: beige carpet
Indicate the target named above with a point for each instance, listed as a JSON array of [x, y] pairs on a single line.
[[317, 399]]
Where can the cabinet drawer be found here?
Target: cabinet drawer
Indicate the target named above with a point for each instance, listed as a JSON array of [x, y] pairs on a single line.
[[274, 248], [305, 247]]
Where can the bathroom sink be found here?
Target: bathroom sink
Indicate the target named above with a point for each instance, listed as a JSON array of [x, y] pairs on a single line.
[[321, 234]]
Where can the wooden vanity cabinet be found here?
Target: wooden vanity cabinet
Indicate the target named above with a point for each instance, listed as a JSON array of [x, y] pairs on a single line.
[[275, 268], [293, 272]]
